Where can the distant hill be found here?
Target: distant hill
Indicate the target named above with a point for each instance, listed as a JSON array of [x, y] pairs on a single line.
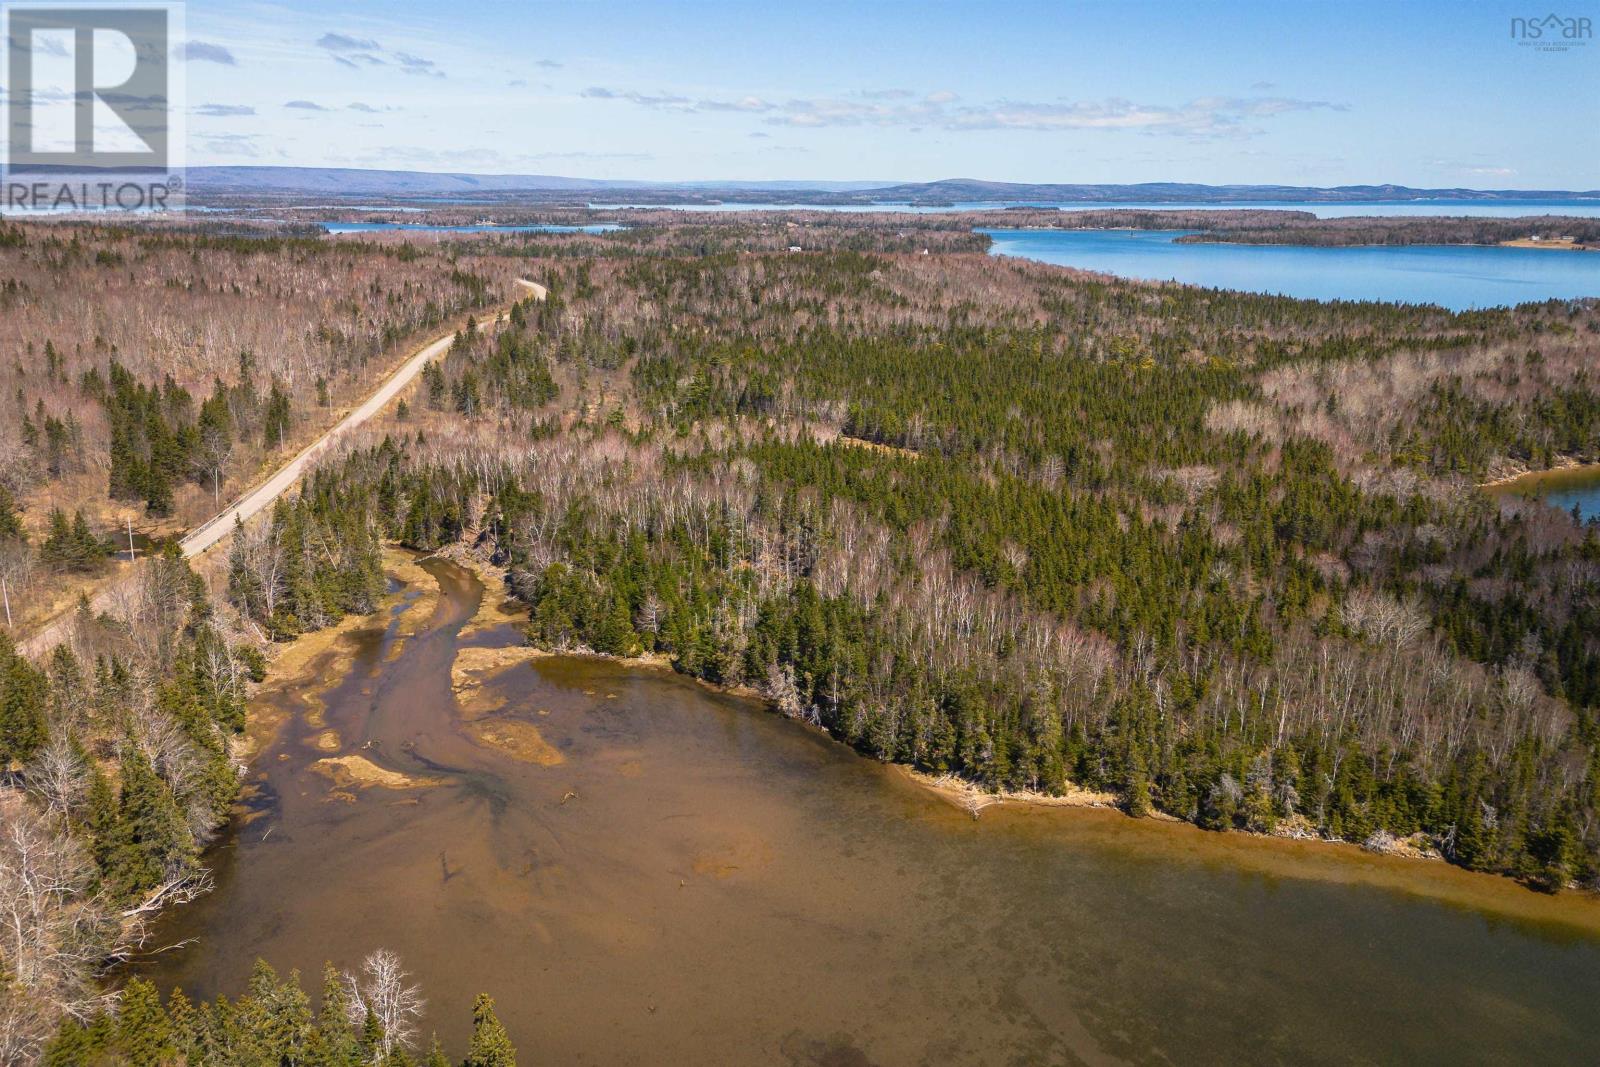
[[350, 181], [965, 189]]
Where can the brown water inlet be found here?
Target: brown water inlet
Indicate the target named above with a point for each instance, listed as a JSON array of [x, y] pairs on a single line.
[[642, 871]]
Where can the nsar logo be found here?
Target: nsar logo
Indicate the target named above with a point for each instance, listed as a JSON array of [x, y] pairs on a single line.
[[1553, 33]]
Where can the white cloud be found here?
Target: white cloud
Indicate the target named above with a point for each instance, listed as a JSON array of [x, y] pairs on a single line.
[[204, 51], [356, 52], [1205, 117], [411, 64], [339, 42], [652, 100], [231, 144]]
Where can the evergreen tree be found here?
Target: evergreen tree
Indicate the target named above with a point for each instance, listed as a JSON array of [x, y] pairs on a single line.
[[10, 522], [24, 694], [337, 1042], [70, 544], [186, 1027], [144, 1031], [102, 821], [153, 840], [370, 1042], [276, 421], [491, 1046], [278, 1014], [72, 1046]]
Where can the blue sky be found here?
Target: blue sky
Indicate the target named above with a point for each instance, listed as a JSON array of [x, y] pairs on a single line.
[[1305, 93]]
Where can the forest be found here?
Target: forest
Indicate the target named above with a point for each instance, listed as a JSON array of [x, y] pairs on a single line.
[[1442, 230], [150, 374], [1032, 530], [369, 1017], [154, 374], [1224, 556], [1259, 226]]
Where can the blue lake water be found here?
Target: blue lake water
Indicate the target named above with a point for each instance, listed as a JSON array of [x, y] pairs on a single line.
[[1582, 207], [1458, 277], [1583, 494], [418, 227]]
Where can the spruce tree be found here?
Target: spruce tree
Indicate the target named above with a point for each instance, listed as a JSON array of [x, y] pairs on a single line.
[[275, 424], [186, 1026], [371, 1040], [337, 1042], [23, 695], [144, 1032], [491, 1046], [153, 838], [102, 820], [279, 1014], [72, 1046], [10, 522], [86, 548], [57, 547]]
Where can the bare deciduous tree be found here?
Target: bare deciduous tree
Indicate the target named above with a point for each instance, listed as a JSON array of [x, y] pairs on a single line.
[[381, 989], [54, 931], [57, 775]]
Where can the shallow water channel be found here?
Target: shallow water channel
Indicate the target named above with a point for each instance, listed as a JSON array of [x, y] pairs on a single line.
[[640, 870]]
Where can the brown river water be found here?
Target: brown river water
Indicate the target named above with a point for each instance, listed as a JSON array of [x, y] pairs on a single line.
[[655, 873]]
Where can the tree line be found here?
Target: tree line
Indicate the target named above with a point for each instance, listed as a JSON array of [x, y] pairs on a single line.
[[1034, 554], [364, 1019]]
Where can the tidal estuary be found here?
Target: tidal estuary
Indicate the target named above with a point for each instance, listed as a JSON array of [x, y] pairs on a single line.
[[641, 870]]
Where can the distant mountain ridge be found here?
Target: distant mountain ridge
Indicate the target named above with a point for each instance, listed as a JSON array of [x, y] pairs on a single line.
[[963, 189], [350, 181], [354, 181]]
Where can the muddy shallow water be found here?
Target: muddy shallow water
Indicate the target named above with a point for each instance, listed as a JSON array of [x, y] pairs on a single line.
[[677, 876]]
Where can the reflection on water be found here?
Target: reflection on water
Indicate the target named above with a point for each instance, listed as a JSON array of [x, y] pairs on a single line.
[[700, 881], [1567, 489]]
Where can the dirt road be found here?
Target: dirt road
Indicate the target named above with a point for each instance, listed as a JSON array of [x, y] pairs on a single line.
[[262, 496]]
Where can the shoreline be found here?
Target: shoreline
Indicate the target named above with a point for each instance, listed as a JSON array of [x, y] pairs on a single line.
[[1565, 466], [1219, 237], [1082, 811], [974, 800], [1552, 245], [971, 798], [295, 668], [1288, 853]]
